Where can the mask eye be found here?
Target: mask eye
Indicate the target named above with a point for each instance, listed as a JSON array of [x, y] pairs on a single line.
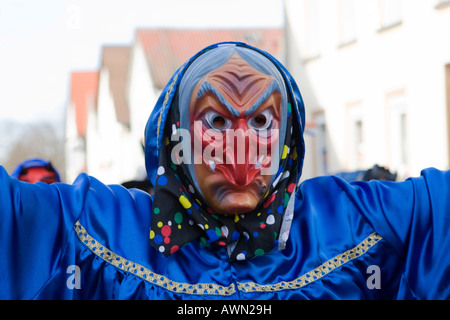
[[217, 121], [261, 121]]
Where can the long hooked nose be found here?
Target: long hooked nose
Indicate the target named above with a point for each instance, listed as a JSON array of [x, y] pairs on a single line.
[[240, 155]]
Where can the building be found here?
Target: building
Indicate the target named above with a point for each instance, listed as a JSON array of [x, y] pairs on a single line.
[[114, 154], [375, 77], [129, 82], [158, 53], [83, 96]]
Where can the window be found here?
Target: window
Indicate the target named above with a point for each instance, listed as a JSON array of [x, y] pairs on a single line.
[[321, 149], [312, 34], [390, 13], [398, 133], [355, 136], [347, 22]]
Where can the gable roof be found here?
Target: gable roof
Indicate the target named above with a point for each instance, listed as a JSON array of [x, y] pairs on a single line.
[[116, 60], [167, 49], [83, 93]]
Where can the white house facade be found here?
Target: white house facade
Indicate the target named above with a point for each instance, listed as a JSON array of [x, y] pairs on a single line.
[[375, 78], [114, 154], [83, 97]]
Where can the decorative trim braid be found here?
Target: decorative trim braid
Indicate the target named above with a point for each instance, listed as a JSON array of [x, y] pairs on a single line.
[[318, 272], [215, 289], [147, 275]]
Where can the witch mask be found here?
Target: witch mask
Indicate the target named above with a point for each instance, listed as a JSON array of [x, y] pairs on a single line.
[[234, 115]]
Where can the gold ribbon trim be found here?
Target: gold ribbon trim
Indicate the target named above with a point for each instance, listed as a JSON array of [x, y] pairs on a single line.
[[215, 289]]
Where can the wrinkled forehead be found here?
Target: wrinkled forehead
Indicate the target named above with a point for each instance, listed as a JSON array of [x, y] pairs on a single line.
[[239, 87], [242, 74]]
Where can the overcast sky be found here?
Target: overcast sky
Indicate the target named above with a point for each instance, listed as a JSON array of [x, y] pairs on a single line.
[[41, 42]]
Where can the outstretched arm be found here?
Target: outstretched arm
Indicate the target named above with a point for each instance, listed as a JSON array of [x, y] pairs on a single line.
[[35, 221], [414, 217]]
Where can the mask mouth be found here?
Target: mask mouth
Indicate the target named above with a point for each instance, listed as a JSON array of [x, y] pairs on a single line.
[[239, 163], [240, 175]]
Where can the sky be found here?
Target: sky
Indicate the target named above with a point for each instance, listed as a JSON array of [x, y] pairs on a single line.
[[41, 42]]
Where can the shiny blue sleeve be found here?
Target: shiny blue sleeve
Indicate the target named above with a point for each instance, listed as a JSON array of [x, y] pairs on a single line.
[[35, 223], [414, 217]]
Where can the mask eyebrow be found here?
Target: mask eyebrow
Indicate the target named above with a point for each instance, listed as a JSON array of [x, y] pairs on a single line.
[[208, 87], [273, 86]]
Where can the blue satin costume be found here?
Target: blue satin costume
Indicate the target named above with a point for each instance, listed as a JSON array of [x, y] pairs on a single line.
[[340, 231]]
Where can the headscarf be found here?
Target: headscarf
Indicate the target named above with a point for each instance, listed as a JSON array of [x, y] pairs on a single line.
[[180, 214]]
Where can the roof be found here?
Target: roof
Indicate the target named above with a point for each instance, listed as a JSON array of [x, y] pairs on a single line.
[[83, 88], [116, 60], [167, 49]]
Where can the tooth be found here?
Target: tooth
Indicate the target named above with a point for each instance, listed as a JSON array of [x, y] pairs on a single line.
[[174, 129], [263, 188], [259, 162], [212, 166]]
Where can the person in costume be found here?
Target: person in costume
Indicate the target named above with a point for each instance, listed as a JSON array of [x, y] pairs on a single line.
[[229, 218], [36, 170]]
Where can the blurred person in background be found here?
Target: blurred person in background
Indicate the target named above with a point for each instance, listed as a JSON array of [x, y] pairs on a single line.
[[375, 173], [36, 170]]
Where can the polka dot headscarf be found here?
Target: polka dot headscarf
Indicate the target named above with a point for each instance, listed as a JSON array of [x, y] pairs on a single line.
[[180, 214]]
